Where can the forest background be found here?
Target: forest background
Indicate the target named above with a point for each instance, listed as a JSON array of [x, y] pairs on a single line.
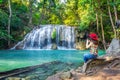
[[18, 17]]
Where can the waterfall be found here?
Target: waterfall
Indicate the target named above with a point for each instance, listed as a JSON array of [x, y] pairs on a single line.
[[40, 38]]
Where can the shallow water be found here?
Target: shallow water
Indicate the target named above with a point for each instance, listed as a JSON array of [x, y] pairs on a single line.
[[13, 59]]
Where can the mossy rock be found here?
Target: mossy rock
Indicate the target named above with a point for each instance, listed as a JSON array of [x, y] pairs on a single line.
[[53, 36]]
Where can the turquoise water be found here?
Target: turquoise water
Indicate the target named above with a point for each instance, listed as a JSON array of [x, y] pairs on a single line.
[[13, 59]]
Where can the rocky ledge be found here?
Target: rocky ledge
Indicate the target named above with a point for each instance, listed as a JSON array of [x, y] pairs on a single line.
[[99, 69]]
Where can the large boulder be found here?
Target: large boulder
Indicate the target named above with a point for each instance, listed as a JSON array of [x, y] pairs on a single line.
[[114, 48]]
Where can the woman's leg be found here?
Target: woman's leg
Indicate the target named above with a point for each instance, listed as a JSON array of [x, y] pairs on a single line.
[[89, 56]]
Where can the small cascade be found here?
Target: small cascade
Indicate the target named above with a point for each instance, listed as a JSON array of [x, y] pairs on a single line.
[[40, 38]]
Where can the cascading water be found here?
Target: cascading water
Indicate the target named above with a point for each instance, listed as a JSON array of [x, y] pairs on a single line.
[[40, 38]]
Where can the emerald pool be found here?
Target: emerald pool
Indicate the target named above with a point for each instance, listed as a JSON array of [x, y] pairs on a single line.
[[13, 59]]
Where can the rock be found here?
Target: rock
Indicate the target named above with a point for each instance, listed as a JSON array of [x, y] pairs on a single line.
[[66, 75], [54, 77], [114, 48], [79, 69], [54, 46], [60, 76], [105, 74], [95, 69], [93, 66], [13, 78], [80, 45], [19, 45], [28, 77]]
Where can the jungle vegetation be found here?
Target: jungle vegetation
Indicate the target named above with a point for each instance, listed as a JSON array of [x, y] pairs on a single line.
[[18, 17]]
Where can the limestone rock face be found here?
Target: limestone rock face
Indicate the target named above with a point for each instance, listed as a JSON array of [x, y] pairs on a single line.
[[114, 48], [80, 46]]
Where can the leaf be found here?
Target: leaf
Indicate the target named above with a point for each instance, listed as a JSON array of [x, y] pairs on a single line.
[[1, 1]]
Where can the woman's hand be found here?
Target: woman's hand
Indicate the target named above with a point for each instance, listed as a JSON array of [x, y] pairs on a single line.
[[88, 43], [88, 40]]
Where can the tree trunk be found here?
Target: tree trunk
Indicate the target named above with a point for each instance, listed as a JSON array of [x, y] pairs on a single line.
[[115, 12], [9, 20], [30, 13], [97, 23], [42, 16], [103, 37], [111, 19]]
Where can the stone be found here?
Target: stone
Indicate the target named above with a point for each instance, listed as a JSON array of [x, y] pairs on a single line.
[[114, 48], [19, 45], [80, 45], [54, 46], [66, 75], [13, 78], [55, 77], [93, 66]]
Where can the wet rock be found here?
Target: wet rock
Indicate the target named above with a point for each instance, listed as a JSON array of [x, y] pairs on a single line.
[[27, 78], [19, 45], [13, 78], [54, 46]]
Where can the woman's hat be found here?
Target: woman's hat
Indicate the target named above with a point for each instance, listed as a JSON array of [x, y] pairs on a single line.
[[93, 36]]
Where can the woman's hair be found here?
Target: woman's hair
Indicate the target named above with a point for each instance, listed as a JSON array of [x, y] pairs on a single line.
[[94, 41]]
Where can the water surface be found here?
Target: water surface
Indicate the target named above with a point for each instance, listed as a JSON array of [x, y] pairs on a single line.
[[13, 59]]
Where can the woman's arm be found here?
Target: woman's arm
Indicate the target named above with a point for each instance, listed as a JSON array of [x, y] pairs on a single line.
[[88, 43]]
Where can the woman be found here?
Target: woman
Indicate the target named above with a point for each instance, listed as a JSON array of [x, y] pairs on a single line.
[[92, 43]]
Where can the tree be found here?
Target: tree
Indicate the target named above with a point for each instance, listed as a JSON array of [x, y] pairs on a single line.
[[113, 26], [103, 37], [30, 13], [9, 20]]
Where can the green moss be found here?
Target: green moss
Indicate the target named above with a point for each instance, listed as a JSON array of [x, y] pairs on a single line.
[[53, 34]]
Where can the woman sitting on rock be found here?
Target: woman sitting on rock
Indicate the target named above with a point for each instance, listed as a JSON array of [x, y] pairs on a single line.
[[92, 43]]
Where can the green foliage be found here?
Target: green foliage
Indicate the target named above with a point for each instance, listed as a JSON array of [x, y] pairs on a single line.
[[3, 18], [4, 35], [53, 35], [78, 13], [0, 1], [36, 17], [16, 23]]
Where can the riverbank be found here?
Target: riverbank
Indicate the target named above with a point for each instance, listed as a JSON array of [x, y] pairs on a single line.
[[108, 71], [38, 72]]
